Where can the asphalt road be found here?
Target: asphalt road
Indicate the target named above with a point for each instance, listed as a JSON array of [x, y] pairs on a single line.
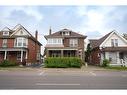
[[62, 79]]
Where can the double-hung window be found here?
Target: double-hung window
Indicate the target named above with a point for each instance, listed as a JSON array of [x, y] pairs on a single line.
[[114, 42], [73, 42], [4, 43], [55, 41], [20, 42]]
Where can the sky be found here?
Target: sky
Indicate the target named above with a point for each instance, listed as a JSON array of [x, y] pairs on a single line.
[[94, 21]]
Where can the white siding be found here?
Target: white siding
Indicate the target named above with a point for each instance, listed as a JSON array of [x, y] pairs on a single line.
[[121, 43], [21, 32]]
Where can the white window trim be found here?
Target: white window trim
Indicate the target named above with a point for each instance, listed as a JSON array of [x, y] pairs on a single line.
[[114, 42], [5, 33], [22, 39], [73, 42], [4, 44], [54, 41]]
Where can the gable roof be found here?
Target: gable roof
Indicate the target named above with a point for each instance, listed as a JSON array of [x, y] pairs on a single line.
[[19, 27], [16, 29], [58, 34], [97, 42]]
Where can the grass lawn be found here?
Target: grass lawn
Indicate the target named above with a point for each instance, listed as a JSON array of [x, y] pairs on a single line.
[[116, 68]]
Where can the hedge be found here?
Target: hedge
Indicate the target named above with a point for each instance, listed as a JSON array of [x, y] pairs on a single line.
[[63, 62], [6, 63]]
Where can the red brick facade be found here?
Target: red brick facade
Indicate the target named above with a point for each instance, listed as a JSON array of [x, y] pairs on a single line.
[[26, 54], [95, 56], [72, 44]]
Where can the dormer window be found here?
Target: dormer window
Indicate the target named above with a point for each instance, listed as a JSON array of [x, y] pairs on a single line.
[[5, 33], [65, 33]]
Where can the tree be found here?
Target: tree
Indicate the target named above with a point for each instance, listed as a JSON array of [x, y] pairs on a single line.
[[87, 53]]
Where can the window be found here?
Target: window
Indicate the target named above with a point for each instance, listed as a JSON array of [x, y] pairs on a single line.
[[4, 42], [38, 56], [54, 41], [114, 42], [21, 32], [73, 42], [21, 42], [5, 33]]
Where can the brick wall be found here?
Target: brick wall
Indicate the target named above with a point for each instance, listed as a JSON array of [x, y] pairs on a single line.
[[95, 58], [10, 43], [33, 49]]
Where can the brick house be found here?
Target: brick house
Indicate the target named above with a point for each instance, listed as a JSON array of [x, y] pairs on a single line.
[[65, 43], [112, 46], [19, 45]]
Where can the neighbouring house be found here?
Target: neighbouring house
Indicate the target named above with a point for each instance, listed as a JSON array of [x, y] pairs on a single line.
[[19, 45], [111, 46], [65, 43]]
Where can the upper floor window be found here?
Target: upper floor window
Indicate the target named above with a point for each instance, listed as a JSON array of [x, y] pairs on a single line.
[[21, 42], [55, 41], [65, 33], [114, 42], [5, 33], [73, 42], [4, 43]]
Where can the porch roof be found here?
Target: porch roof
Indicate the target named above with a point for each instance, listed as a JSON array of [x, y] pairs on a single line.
[[111, 49], [14, 49], [62, 48]]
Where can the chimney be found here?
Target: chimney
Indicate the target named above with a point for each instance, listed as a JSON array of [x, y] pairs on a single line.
[[50, 31], [36, 35]]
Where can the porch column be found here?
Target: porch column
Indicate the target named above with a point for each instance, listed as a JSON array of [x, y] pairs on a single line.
[[21, 55], [61, 53], [47, 53], [118, 58], [5, 55], [26, 54]]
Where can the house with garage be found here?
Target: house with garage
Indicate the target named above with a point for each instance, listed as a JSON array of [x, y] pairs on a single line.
[[112, 46], [19, 45], [65, 43]]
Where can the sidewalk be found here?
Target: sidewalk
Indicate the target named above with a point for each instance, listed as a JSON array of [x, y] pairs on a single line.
[[82, 69]]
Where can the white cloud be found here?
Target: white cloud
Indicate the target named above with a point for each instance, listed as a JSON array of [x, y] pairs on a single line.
[[6, 12], [97, 19], [32, 11]]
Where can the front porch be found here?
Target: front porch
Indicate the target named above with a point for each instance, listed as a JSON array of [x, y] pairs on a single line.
[[62, 53], [118, 58], [17, 55]]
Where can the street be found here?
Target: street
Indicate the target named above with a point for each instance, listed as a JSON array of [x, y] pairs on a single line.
[[39, 78]]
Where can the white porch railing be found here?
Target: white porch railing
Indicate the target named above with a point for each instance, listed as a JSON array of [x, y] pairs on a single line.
[[123, 62]]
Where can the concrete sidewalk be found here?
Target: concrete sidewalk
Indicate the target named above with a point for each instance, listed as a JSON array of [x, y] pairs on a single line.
[[82, 69]]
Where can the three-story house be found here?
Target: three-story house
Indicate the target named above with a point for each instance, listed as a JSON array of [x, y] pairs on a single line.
[[19, 45]]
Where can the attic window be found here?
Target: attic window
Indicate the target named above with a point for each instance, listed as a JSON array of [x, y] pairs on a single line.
[[65, 33], [5, 33], [21, 32]]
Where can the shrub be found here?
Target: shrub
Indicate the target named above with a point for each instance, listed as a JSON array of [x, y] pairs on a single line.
[[105, 63], [6, 63], [63, 62]]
